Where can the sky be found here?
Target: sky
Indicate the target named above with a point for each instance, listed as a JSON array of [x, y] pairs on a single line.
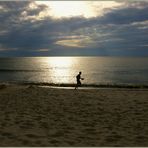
[[73, 28]]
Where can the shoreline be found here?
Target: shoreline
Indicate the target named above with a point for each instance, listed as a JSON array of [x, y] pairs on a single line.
[[70, 86]]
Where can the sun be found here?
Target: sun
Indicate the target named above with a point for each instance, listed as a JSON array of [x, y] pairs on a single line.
[[87, 9], [70, 9], [59, 9]]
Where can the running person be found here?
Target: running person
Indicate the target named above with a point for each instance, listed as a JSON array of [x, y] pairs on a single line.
[[78, 78]]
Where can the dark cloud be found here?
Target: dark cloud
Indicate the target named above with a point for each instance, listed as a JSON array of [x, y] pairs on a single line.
[[121, 31]]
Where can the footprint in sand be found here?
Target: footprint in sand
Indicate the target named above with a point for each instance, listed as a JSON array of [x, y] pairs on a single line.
[[33, 136], [26, 124], [8, 135]]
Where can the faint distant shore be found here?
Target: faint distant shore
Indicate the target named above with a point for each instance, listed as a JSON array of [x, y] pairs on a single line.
[[140, 86]]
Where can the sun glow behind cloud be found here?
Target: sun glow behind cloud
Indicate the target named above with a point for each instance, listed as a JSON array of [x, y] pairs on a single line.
[[68, 9], [87, 9]]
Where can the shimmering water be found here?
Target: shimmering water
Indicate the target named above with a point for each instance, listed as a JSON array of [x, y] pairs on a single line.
[[95, 70]]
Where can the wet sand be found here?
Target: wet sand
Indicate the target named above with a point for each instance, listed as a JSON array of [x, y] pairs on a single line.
[[38, 116]]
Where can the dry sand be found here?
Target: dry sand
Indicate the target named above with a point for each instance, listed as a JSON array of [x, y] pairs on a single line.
[[35, 116]]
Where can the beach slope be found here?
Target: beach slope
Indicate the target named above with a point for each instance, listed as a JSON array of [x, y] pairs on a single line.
[[40, 116]]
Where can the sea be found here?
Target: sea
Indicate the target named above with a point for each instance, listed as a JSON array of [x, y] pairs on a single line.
[[63, 70]]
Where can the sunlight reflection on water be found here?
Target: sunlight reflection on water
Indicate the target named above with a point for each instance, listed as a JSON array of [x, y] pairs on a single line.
[[95, 70], [62, 69]]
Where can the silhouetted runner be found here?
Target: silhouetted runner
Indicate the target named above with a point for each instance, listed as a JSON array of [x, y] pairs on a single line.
[[78, 77]]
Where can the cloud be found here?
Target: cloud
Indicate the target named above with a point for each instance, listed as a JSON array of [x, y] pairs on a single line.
[[25, 31]]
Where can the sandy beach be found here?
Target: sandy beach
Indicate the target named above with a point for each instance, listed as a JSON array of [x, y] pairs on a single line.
[[43, 116]]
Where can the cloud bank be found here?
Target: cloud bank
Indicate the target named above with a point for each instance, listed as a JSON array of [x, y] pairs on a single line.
[[27, 29]]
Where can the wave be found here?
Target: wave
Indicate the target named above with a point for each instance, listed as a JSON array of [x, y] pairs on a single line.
[[20, 70], [84, 85]]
